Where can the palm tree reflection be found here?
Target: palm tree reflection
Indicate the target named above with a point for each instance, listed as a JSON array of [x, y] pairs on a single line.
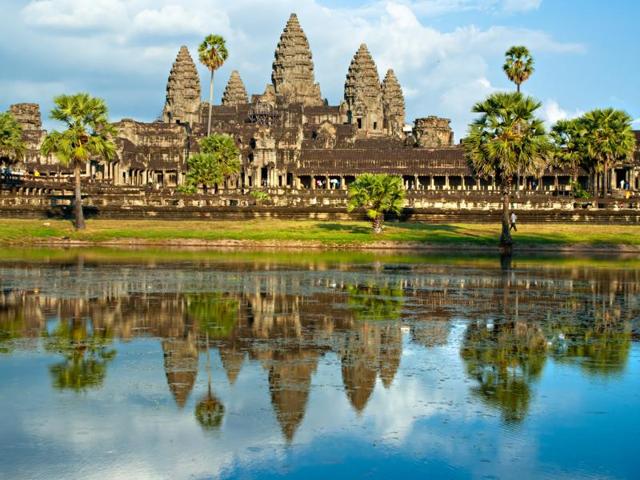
[[86, 355]]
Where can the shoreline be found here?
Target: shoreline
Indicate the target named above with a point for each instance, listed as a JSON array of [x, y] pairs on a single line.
[[301, 245], [321, 235]]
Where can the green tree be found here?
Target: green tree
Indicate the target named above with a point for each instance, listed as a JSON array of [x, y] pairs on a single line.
[[86, 355], [213, 53], [507, 139], [88, 135], [12, 145], [219, 158], [376, 194], [518, 65], [608, 138]]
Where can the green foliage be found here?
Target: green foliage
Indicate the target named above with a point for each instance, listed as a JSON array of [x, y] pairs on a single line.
[[88, 135], [504, 360], [595, 141], [518, 65], [607, 137], [579, 191], [209, 412], [376, 194], [507, 138], [376, 302], [219, 158], [213, 52], [12, 146], [215, 314], [85, 353], [260, 196]]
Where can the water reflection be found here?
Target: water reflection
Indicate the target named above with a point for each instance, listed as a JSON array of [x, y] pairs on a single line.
[[287, 320]]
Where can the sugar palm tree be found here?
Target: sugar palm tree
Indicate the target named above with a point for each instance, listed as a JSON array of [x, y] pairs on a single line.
[[213, 53], [12, 145], [608, 138], [506, 139], [518, 65], [376, 194], [88, 135]]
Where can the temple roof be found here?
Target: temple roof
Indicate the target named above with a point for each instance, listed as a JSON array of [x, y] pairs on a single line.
[[409, 161]]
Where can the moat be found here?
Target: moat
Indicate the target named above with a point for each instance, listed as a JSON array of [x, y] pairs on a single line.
[[174, 364]]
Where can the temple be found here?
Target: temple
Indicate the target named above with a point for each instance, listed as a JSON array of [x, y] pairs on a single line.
[[298, 148]]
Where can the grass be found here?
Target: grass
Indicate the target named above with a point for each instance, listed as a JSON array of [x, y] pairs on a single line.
[[326, 233]]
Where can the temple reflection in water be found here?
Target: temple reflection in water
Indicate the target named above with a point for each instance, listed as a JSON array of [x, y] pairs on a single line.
[[286, 320]]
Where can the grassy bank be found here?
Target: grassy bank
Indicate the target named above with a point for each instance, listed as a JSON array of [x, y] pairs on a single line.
[[314, 233]]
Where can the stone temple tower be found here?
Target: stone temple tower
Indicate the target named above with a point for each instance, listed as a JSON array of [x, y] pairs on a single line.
[[183, 91], [293, 78], [393, 105], [235, 93], [363, 94]]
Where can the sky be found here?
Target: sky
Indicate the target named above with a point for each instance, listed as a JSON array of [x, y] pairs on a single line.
[[447, 54]]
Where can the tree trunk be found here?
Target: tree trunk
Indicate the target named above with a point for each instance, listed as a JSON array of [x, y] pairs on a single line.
[[506, 242], [77, 204], [377, 223], [518, 87], [210, 104], [595, 186]]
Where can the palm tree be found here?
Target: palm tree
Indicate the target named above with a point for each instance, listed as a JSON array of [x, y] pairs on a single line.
[[518, 65], [376, 194], [569, 148], [89, 134], [506, 139], [218, 159], [12, 145], [608, 138], [213, 53]]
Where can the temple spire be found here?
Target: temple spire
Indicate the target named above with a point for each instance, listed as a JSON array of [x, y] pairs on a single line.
[[235, 93], [393, 104], [182, 104], [293, 77], [363, 94]]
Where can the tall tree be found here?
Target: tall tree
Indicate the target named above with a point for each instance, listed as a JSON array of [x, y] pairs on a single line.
[[88, 135], [213, 53], [376, 194], [12, 145], [518, 65], [506, 139], [608, 139], [218, 159]]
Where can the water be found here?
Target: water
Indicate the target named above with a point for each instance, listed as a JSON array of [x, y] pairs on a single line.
[[327, 365]]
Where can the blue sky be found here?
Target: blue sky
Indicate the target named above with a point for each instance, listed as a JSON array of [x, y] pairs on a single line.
[[447, 54]]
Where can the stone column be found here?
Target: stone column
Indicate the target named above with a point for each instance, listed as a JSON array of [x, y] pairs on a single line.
[[462, 182], [432, 183], [446, 182]]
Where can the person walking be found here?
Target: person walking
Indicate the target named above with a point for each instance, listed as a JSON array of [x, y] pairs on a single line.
[[514, 218]]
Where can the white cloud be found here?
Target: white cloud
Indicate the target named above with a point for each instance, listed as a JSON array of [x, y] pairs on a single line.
[[552, 112], [134, 43], [75, 14], [521, 5]]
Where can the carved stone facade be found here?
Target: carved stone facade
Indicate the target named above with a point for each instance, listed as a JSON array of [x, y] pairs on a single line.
[[291, 142], [393, 105], [363, 94], [183, 91], [235, 93], [293, 78], [433, 132]]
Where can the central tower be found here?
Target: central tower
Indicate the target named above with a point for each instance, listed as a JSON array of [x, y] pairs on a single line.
[[293, 78]]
